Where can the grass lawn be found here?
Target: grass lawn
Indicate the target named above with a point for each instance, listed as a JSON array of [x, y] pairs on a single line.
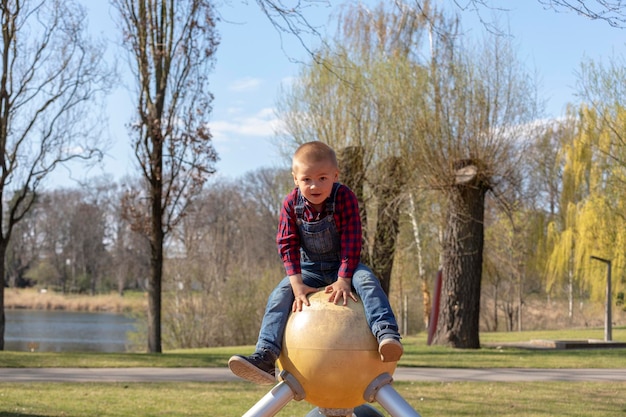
[[475, 399], [417, 353], [482, 399]]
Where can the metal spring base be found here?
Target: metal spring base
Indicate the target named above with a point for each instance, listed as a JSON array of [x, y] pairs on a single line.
[[379, 390]]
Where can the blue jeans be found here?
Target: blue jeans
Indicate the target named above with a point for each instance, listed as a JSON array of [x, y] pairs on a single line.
[[378, 311]]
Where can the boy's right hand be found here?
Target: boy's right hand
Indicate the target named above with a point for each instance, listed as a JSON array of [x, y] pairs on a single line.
[[300, 292]]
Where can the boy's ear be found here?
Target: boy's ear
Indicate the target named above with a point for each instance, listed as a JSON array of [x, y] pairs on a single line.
[[295, 180]]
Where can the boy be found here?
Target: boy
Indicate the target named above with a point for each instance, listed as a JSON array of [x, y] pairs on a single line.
[[319, 241]]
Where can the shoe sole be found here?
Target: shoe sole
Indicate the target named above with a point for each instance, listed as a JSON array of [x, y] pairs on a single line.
[[244, 369], [390, 351]]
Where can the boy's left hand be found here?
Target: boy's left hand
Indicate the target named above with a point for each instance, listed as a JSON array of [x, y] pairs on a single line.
[[340, 290]]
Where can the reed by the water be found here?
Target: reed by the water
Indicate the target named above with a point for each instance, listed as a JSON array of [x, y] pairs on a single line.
[[47, 300]]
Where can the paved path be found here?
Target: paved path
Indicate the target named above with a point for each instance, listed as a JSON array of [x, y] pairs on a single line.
[[224, 375]]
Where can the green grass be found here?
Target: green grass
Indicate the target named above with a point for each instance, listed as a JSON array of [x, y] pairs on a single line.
[[459, 399], [619, 334], [417, 354]]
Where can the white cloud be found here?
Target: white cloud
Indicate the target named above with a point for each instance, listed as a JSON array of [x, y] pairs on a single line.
[[234, 110], [264, 123], [245, 84]]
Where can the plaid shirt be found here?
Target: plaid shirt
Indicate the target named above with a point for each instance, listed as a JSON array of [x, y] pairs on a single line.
[[347, 221]]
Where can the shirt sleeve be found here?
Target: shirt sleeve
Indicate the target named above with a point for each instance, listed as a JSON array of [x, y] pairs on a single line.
[[288, 237], [348, 223]]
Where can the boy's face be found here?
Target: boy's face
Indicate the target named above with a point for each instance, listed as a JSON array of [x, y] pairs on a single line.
[[315, 181]]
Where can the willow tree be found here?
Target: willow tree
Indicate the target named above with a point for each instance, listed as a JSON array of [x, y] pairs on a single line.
[[51, 84], [471, 128], [171, 46], [603, 88], [454, 123], [576, 159], [517, 247], [591, 223], [592, 199], [345, 97]]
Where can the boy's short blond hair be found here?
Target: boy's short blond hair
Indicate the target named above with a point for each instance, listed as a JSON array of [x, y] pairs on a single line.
[[315, 152]]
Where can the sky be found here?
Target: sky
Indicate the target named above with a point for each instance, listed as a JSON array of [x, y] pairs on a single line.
[[253, 61]]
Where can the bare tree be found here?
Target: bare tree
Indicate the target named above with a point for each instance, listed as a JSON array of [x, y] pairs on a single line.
[[611, 11], [227, 264], [290, 18], [171, 46], [23, 250], [472, 131], [51, 77], [130, 249], [52, 226]]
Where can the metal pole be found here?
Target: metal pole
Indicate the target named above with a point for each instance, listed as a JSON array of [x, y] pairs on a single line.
[[393, 402], [381, 391], [272, 402], [608, 319]]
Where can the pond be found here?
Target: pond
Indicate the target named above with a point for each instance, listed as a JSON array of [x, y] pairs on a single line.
[[65, 331]]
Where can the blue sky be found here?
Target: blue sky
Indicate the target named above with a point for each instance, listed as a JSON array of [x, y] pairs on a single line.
[[253, 60]]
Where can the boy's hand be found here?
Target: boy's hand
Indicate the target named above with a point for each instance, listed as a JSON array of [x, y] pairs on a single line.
[[340, 290], [300, 292]]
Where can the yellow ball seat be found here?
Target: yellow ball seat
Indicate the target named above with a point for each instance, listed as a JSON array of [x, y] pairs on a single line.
[[330, 350]]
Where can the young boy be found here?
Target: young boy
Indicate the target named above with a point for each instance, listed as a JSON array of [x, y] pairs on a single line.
[[319, 241]]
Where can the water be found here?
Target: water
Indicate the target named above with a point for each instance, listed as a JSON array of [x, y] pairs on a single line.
[[64, 331]]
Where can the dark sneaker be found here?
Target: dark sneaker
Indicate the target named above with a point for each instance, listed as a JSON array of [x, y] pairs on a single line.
[[390, 349], [260, 367]]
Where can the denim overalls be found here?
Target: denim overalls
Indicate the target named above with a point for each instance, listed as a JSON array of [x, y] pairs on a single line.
[[320, 261]]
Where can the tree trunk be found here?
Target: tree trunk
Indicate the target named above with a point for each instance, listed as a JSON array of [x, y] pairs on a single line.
[[570, 294], [154, 297], [387, 224], [156, 243], [421, 273], [462, 265], [2, 285], [350, 161], [495, 307]]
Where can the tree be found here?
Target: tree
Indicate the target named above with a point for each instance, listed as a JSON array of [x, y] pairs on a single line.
[[591, 221], [129, 248], [456, 124], [23, 250], [69, 231], [602, 87], [52, 77], [516, 239], [171, 46], [349, 98], [227, 262], [611, 11], [471, 128]]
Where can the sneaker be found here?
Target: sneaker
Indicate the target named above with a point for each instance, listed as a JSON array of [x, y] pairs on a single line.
[[390, 349], [259, 367]]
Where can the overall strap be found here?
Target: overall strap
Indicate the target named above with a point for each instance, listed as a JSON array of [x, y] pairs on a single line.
[[299, 208], [330, 205]]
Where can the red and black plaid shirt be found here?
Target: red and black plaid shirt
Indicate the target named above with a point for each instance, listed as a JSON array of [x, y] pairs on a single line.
[[347, 221]]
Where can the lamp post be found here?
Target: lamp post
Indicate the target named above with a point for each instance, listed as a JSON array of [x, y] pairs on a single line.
[[607, 314]]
